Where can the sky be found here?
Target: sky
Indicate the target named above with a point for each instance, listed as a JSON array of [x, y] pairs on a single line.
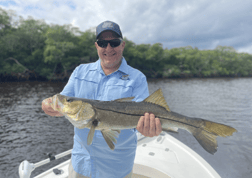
[[203, 24]]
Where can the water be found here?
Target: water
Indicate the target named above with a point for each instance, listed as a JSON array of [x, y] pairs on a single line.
[[228, 101], [26, 133]]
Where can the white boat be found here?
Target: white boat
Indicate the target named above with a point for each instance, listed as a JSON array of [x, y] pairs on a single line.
[[156, 157]]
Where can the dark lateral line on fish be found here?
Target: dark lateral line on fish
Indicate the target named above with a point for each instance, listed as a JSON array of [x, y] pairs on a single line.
[[158, 117]]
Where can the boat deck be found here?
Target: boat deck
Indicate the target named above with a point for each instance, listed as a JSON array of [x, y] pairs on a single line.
[[162, 157], [139, 171]]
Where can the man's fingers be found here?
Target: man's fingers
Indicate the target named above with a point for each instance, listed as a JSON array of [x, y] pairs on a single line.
[[152, 130], [53, 113], [140, 124], [49, 100], [146, 124], [48, 109], [158, 126], [149, 126]]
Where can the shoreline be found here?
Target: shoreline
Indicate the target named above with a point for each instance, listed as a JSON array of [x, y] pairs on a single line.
[[10, 78]]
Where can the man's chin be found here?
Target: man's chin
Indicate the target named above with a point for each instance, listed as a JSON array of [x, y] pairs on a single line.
[[111, 65], [109, 57]]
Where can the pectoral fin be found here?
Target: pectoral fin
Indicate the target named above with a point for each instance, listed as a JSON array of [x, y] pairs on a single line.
[[94, 123], [109, 136], [91, 135]]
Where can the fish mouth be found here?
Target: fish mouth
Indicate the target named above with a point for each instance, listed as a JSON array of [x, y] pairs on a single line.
[[59, 100], [74, 109], [71, 108]]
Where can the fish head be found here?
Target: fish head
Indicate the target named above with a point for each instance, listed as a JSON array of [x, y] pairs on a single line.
[[74, 109]]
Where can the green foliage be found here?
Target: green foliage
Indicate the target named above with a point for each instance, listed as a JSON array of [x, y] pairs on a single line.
[[5, 23], [53, 51], [171, 71], [86, 49]]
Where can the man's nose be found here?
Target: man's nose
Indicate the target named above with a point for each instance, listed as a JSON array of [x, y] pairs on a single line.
[[109, 47]]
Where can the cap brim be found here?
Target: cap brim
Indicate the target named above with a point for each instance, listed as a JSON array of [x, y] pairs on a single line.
[[117, 35]]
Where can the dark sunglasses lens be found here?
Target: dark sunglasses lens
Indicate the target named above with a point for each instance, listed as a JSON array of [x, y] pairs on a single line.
[[113, 43], [102, 43]]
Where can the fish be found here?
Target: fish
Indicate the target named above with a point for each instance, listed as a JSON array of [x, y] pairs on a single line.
[[110, 117]]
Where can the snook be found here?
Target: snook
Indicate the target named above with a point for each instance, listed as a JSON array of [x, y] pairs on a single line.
[[112, 116]]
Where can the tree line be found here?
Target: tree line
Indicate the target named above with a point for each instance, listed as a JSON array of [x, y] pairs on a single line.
[[33, 50]]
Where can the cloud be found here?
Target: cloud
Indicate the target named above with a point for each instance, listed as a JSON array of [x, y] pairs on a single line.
[[202, 24]]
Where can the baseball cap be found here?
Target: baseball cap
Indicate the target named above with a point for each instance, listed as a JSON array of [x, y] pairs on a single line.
[[108, 25]]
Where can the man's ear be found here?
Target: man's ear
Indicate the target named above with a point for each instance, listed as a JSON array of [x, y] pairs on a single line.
[[123, 44], [96, 45]]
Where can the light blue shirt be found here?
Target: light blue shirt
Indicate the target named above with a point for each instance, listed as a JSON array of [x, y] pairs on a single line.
[[89, 81]]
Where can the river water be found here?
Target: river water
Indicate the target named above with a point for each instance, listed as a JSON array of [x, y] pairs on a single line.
[[26, 133]]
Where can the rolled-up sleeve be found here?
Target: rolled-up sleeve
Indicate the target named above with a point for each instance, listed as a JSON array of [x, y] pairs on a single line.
[[69, 88], [141, 91]]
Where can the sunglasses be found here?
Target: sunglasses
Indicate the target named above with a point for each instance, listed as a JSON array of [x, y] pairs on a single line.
[[113, 43]]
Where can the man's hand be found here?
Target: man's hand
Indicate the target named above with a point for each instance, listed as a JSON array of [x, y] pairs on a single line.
[[149, 126], [48, 109]]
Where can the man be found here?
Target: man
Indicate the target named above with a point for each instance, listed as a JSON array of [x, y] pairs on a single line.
[[108, 78]]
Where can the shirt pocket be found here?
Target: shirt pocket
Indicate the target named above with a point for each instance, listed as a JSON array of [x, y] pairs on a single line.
[[86, 87], [118, 89]]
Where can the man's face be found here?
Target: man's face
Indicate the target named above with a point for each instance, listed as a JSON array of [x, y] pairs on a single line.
[[110, 57]]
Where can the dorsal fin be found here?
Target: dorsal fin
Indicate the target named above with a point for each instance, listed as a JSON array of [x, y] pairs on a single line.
[[125, 99], [157, 98]]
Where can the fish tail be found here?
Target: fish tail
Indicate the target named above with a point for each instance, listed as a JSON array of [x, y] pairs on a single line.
[[207, 133]]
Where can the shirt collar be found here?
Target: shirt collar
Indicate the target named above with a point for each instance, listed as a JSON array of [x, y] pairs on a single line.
[[123, 67]]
